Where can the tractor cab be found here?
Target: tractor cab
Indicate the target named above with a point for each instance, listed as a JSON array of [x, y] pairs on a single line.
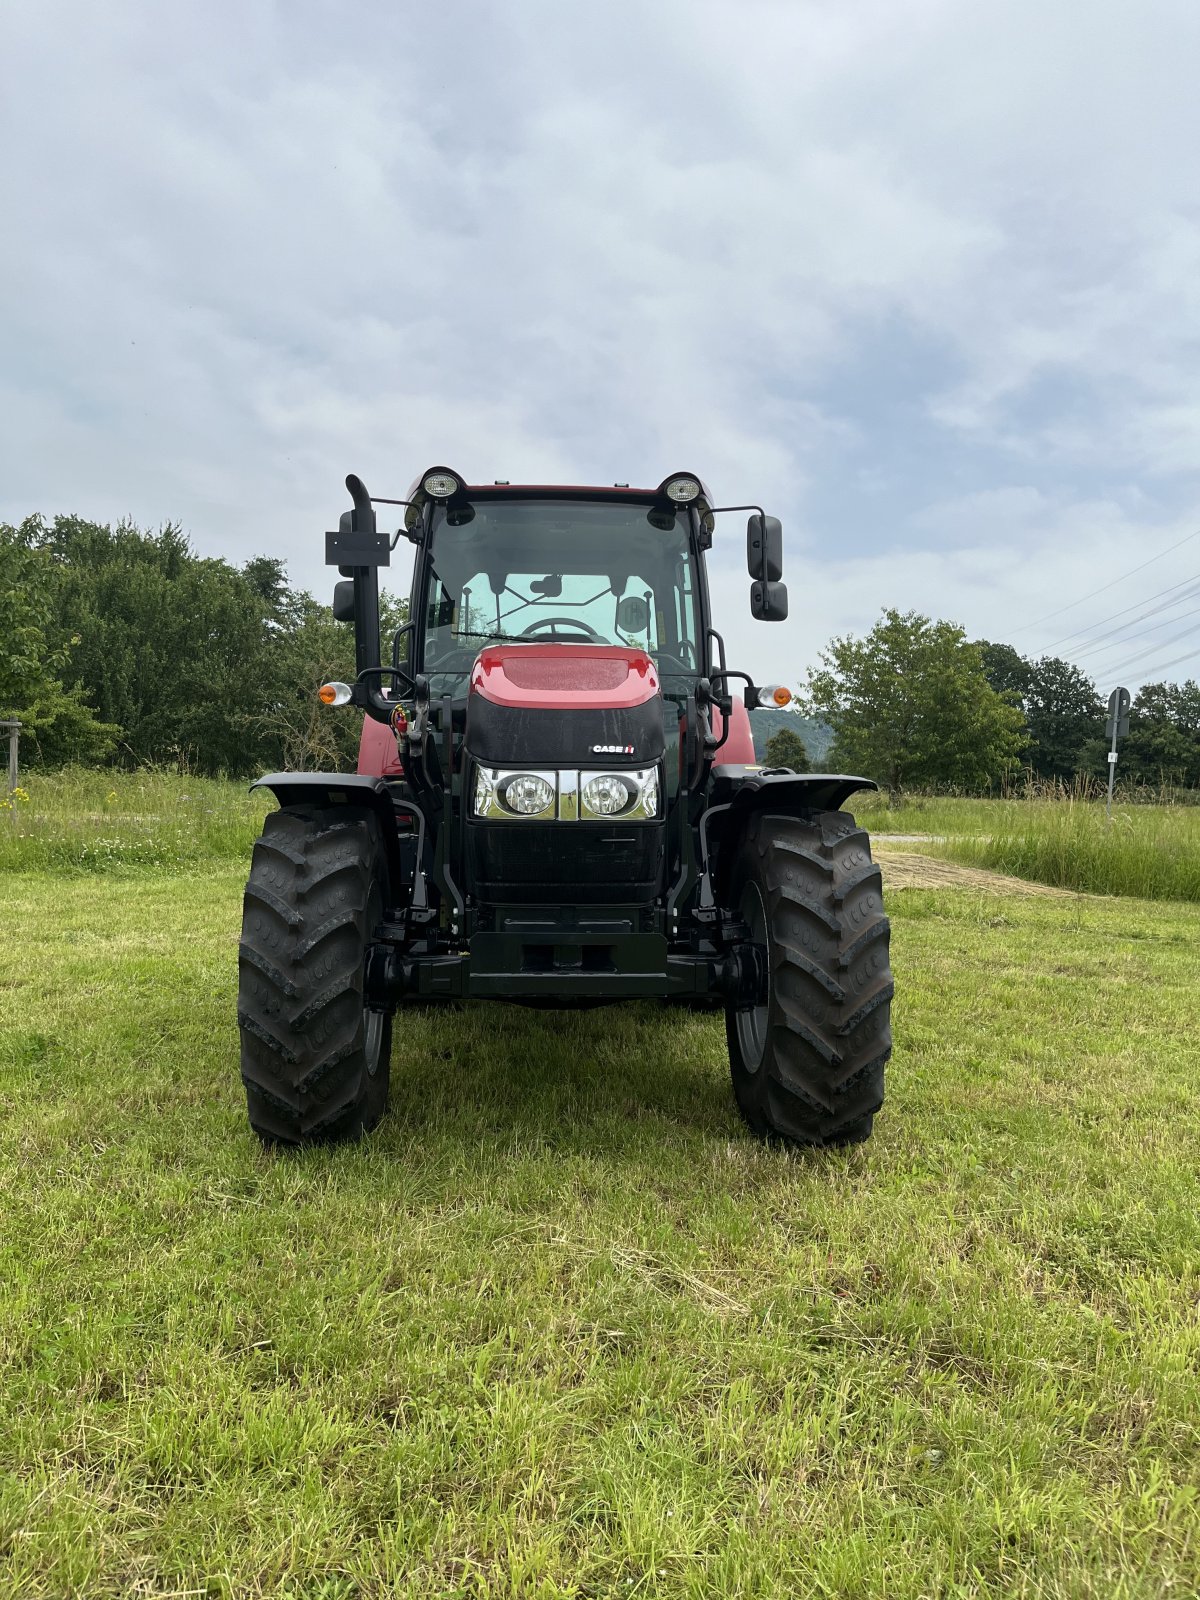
[[557, 804]]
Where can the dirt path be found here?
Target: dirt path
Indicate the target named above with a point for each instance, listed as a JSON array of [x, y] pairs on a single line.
[[904, 870]]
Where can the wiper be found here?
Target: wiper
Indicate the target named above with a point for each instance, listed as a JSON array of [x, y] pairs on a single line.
[[508, 638]]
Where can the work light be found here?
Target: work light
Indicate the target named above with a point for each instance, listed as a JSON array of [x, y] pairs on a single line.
[[441, 485], [682, 490]]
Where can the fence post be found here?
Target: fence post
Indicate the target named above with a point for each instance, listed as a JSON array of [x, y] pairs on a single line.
[[14, 735]]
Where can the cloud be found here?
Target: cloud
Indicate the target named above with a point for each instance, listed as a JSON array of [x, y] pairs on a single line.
[[919, 277]]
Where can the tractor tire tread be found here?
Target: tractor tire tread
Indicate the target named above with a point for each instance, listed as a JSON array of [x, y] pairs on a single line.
[[820, 1079], [309, 1063]]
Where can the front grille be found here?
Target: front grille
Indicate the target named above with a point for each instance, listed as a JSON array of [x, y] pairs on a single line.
[[536, 863]]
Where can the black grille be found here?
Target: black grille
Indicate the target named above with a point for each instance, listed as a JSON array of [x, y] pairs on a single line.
[[556, 863]]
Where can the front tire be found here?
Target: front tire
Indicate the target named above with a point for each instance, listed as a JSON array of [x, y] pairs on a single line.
[[315, 1058], [808, 1064]]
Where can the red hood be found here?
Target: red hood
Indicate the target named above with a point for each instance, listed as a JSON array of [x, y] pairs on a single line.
[[564, 676]]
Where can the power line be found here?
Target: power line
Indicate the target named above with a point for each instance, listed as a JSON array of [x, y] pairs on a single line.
[[1103, 589], [1162, 644], [1162, 666], [1124, 610], [1112, 643]]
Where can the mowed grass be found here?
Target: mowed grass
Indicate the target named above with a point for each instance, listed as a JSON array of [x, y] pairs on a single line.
[[559, 1327]]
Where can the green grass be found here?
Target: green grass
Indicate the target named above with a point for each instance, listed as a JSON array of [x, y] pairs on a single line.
[[1148, 851], [1151, 852], [559, 1327], [92, 820], [84, 820]]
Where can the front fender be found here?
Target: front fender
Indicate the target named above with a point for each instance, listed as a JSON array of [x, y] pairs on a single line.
[[757, 788], [332, 789]]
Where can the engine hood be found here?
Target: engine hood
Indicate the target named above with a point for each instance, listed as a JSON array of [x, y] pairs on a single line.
[[563, 677], [564, 705]]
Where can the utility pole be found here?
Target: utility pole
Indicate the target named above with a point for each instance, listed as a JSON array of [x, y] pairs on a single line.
[[1118, 723]]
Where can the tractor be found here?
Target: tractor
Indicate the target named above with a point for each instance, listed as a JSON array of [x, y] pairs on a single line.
[[557, 804]]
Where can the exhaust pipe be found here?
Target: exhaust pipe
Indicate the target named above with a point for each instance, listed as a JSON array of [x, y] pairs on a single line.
[[366, 582]]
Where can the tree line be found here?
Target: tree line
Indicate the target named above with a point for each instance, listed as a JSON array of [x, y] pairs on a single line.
[[122, 645], [916, 704]]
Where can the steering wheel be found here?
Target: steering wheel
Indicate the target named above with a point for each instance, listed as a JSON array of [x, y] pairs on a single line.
[[582, 627]]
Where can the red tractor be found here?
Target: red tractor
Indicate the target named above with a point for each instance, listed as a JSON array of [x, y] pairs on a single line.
[[557, 804]]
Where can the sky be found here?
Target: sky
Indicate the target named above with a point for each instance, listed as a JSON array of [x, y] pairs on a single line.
[[922, 277]]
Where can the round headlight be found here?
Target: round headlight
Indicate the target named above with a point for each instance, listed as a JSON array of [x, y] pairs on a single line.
[[683, 491], [527, 794], [606, 796], [440, 486]]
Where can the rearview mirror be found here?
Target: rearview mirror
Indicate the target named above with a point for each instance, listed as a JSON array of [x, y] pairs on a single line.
[[633, 615], [764, 548], [343, 601], [769, 602]]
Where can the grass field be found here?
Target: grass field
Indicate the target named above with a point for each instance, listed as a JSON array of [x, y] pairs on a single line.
[[111, 822], [1149, 851], [558, 1327]]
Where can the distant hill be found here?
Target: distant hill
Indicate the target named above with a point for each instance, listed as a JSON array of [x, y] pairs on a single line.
[[817, 737]]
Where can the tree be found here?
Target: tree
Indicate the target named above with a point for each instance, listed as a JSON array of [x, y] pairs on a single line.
[[785, 748], [1065, 718], [1007, 670], [910, 705], [57, 724], [1062, 710], [1163, 745], [172, 647]]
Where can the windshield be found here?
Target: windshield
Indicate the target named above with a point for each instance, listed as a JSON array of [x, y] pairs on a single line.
[[559, 571]]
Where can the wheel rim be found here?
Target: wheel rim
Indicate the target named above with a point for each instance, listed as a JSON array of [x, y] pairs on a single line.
[[373, 1020], [751, 1023], [372, 1039]]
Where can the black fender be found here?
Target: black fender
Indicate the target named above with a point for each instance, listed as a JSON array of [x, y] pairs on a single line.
[[333, 789], [738, 792], [755, 787]]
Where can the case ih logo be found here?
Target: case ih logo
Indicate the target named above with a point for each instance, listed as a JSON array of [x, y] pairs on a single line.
[[612, 749]]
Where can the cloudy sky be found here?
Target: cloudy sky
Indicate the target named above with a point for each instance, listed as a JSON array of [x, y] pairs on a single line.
[[923, 276]]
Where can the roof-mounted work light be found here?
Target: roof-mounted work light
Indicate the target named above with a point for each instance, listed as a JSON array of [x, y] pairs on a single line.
[[440, 484], [681, 488]]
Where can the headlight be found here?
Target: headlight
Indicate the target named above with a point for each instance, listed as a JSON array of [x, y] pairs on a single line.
[[632, 795], [527, 794], [606, 795], [514, 794], [565, 796]]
